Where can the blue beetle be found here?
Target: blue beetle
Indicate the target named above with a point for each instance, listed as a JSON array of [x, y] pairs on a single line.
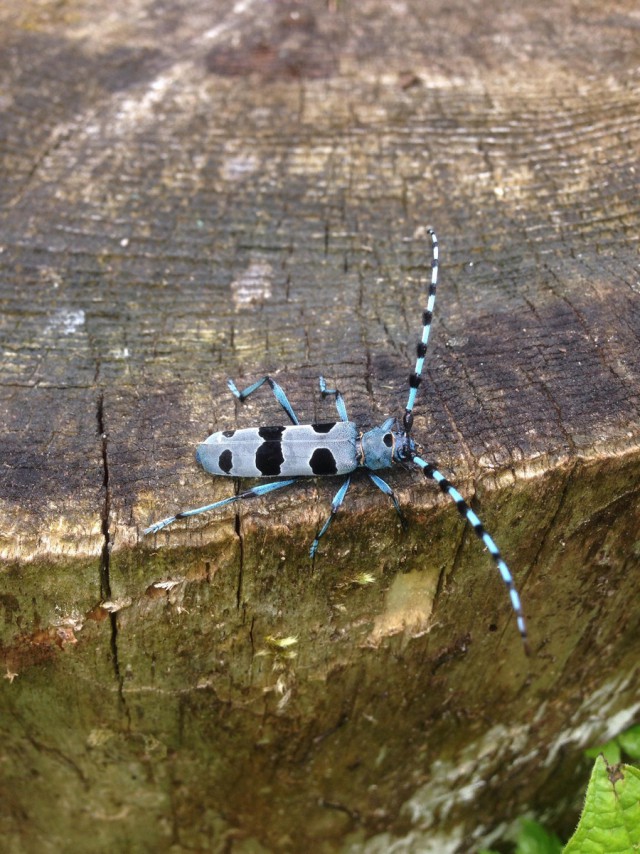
[[334, 449]]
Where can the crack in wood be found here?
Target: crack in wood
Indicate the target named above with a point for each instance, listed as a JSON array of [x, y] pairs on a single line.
[[550, 527], [238, 530], [105, 555]]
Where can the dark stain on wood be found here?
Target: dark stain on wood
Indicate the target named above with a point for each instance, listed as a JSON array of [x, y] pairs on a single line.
[[284, 43]]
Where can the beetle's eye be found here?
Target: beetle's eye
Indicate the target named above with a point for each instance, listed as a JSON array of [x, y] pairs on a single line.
[[388, 439]]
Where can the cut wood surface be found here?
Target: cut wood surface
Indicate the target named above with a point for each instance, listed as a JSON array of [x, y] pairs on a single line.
[[215, 190]]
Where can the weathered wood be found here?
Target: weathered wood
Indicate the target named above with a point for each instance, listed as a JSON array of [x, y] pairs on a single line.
[[235, 190]]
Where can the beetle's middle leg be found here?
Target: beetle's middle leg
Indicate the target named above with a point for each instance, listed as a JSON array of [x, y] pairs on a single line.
[[335, 506]]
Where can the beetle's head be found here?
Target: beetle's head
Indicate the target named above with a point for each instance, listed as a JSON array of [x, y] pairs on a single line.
[[404, 448]]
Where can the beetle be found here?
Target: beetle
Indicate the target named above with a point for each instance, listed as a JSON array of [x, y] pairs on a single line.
[[335, 449]]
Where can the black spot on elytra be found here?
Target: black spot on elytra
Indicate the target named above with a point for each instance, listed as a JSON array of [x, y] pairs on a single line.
[[228, 433], [323, 462], [323, 428], [269, 457], [225, 461], [271, 432], [388, 439]]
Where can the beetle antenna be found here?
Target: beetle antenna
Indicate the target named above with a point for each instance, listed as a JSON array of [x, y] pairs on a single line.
[[415, 378], [431, 472]]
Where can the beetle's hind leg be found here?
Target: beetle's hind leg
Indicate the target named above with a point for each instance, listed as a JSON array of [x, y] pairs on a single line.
[[261, 489]]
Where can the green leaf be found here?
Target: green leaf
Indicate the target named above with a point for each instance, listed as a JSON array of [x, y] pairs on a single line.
[[610, 820], [534, 839], [610, 750], [630, 742]]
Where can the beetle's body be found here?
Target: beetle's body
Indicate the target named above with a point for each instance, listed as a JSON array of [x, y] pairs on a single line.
[[334, 448], [294, 451], [298, 450]]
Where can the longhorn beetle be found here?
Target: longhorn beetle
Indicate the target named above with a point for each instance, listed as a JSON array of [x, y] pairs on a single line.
[[336, 448]]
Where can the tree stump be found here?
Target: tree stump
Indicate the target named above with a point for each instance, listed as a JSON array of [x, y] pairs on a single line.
[[198, 192]]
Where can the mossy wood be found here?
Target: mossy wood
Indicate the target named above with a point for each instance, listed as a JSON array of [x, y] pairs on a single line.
[[198, 191]]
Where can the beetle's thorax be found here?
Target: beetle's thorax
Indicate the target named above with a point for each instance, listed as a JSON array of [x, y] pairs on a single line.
[[383, 446]]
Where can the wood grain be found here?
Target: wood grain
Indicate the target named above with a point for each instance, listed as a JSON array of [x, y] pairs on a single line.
[[191, 193]]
